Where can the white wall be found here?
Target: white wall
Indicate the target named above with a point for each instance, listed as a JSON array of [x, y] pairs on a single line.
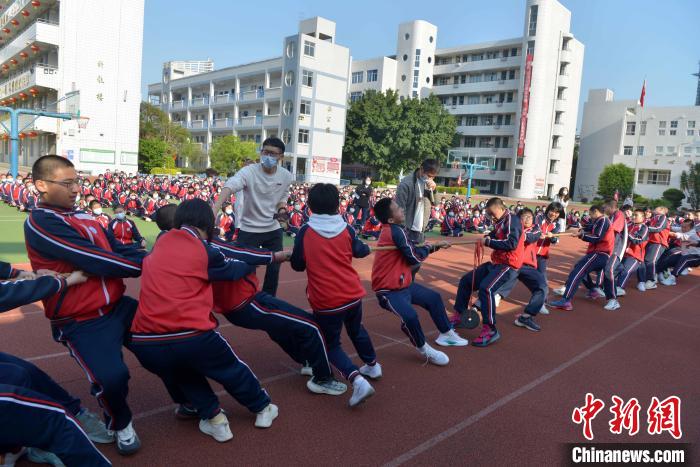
[[411, 36]]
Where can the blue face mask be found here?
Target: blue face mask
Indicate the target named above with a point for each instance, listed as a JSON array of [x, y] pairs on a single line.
[[120, 215], [268, 162]]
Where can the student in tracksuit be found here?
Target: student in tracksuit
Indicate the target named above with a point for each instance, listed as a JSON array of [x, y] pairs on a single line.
[[606, 277], [549, 225], [173, 333], [324, 247], [658, 243], [637, 235], [125, 231], [91, 319], [35, 411], [396, 290], [243, 304], [507, 241], [687, 256], [601, 239]]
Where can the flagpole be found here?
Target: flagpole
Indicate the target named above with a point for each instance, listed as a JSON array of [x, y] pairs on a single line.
[[640, 119]]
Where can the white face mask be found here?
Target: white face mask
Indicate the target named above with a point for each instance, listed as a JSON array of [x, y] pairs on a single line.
[[229, 211], [97, 211]]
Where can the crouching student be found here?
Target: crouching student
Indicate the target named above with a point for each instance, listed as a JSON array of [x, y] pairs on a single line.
[[395, 289], [325, 247], [637, 235], [689, 255], [372, 228], [174, 332], [451, 227]]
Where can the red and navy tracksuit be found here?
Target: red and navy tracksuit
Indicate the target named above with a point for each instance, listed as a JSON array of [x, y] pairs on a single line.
[[544, 243], [126, 232], [334, 289], [394, 286], [296, 220], [372, 228], [637, 235], [91, 319], [529, 273], [507, 241], [173, 333], [618, 224], [34, 410], [659, 229], [601, 241], [226, 223], [451, 227], [103, 219], [292, 328]]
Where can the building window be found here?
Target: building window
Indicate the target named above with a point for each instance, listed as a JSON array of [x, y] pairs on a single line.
[[287, 108], [470, 142], [414, 94], [286, 136], [416, 62], [643, 128], [471, 120], [530, 47], [555, 142], [372, 76], [357, 76], [291, 45], [472, 100], [662, 132], [557, 118], [532, 28], [627, 150], [640, 150], [517, 178], [674, 123], [355, 96], [553, 166], [654, 177], [506, 120], [672, 132], [415, 78], [509, 97], [476, 78], [662, 124], [305, 107], [485, 142], [561, 95], [689, 132], [659, 149], [506, 143], [631, 127], [488, 99], [670, 150], [289, 78], [691, 123], [307, 78], [309, 48], [477, 57], [303, 137], [490, 76], [687, 151]]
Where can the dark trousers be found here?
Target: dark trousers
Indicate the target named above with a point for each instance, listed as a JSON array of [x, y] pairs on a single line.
[[17, 372], [30, 418], [290, 327], [651, 258], [488, 277], [668, 259], [542, 268], [678, 262], [332, 325], [362, 217], [187, 362], [607, 277], [270, 241], [625, 270], [400, 303], [591, 262], [535, 282], [96, 345]]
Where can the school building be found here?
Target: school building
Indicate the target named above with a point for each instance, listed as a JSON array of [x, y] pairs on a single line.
[[660, 142], [50, 48]]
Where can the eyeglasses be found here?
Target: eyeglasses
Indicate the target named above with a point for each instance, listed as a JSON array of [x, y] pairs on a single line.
[[270, 153], [65, 183]]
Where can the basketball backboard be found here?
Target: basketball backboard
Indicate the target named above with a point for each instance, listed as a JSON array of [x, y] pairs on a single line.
[[478, 158]]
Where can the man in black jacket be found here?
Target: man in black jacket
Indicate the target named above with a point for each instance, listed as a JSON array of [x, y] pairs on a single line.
[[362, 194]]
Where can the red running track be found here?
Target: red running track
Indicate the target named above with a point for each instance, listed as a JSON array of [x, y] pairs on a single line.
[[504, 405]]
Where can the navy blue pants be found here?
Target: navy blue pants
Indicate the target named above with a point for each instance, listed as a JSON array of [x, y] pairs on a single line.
[[332, 325], [668, 259], [651, 259], [488, 278], [187, 362], [608, 276], [96, 345], [625, 270], [399, 302], [591, 262], [290, 327], [535, 282], [30, 418], [270, 241], [678, 262]]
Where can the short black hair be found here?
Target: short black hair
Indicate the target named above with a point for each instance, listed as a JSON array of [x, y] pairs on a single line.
[[495, 202], [642, 210], [526, 211], [611, 203], [93, 202], [324, 199], [274, 142], [596, 207], [555, 206], [195, 213], [430, 165], [120, 206], [382, 210], [165, 216], [45, 165], [626, 207]]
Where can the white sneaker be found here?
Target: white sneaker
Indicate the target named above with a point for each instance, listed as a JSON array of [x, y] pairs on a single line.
[[612, 305], [434, 356], [451, 339], [599, 291], [128, 441], [650, 285], [306, 370], [560, 290], [361, 391], [330, 386], [670, 280], [266, 416], [8, 459], [497, 300], [371, 371], [686, 271], [543, 310], [642, 287], [661, 276], [217, 427], [620, 292]]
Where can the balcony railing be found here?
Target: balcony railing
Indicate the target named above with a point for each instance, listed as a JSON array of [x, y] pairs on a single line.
[[198, 124], [224, 99], [178, 105], [38, 75], [200, 101], [222, 123], [251, 95], [39, 31]]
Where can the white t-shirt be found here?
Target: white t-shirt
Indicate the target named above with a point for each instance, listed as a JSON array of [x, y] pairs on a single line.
[[418, 215], [262, 193]]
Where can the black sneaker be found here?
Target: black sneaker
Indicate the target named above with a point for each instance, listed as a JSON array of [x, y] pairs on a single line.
[[526, 321], [186, 412]]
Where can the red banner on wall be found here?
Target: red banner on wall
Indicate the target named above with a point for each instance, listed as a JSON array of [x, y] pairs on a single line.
[[525, 106]]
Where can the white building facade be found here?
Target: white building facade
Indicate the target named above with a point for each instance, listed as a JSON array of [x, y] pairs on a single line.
[[660, 142], [54, 47], [300, 97]]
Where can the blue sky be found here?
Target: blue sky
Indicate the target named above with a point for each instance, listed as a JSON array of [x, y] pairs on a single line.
[[625, 40]]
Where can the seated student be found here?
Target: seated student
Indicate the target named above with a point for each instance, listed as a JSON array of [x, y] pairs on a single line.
[[395, 289], [95, 208], [474, 223], [372, 228], [324, 248], [134, 206], [573, 220], [35, 412], [295, 221], [637, 235], [450, 226], [149, 208], [173, 332], [125, 230], [225, 222], [349, 216], [435, 219], [507, 241], [164, 218], [600, 238], [688, 256]]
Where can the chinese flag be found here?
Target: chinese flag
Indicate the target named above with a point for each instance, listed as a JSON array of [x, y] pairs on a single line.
[[644, 93]]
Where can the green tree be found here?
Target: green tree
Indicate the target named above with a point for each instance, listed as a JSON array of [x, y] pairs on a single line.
[[154, 124], [391, 135], [690, 184], [153, 152], [615, 177], [228, 153], [193, 154], [674, 196]]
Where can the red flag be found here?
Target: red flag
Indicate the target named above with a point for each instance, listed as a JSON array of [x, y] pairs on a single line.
[[644, 93]]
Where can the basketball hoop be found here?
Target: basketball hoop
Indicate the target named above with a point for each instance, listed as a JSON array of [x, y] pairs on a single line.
[[83, 122]]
